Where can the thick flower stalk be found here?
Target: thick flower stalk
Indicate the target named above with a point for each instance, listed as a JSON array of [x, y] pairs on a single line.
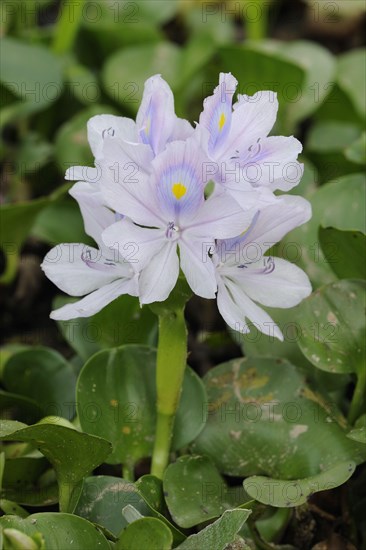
[[145, 204]]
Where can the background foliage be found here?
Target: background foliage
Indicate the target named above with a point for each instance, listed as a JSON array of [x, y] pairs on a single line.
[[268, 448]]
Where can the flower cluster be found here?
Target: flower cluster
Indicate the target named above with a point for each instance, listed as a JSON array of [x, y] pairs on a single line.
[[165, 197]]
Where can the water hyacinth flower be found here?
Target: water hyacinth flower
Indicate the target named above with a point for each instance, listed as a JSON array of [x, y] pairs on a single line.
[[246, 159], [80, 270], [166, 209], [246, 276], [144, 204]]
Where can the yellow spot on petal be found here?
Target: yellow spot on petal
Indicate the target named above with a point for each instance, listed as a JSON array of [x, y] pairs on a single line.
[[222, 121], [179, 190], [126, 430]]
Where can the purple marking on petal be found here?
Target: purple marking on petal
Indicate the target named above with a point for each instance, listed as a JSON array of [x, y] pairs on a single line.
[[118, 216], [105, 266], [269, 266]]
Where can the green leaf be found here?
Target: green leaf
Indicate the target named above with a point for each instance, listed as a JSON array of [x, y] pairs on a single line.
[[333, 327], [352, 77], [31, 72], [146, 533], [49, 228], [59, 530], [338, 204], [358, 434], [151, 488], [219, 534], [43, 375], [16, 406], [258, 70], [194, 491], [125, 72], [356, 152], [257, 344], [265, 418], [66, 449], [104, 497], [344, 252], [13, 234], [285, 494], [29, 481], [319, 66], [331, 135], [116, 397], [83, 83]]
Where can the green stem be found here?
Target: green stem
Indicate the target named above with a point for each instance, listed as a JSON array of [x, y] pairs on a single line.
[[171, 363], [355, 409], [128, 472], [67, 26], [256, 14]]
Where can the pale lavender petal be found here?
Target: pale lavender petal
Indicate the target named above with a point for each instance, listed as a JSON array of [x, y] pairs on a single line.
[[217, 112], [83, 173], [197, 266], [272, 162], [284, 285], [182, 130], [219, 217], [136, 244], [156, 118], [97, 300], [78, 269], [272, 223], [234, 305], [159, 277], [253, 118], [102, 126], [127, 186], [96, 215]]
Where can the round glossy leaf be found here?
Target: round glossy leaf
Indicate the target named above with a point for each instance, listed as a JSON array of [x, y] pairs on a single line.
[[151, 488], [352, 77], [68, 451], [59, 530], [125, 72], [285, 494], [337, 204], [264, 418], [319, 66], [194, 491], [116, 397], [13, 234], [44, 376], [48, 228], [333, 327], [104, 497], [219, 534], [344, 252], [31, 72], [356, 152], [146, 533]]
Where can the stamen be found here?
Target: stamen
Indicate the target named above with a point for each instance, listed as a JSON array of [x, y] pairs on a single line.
[[110, 131]]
